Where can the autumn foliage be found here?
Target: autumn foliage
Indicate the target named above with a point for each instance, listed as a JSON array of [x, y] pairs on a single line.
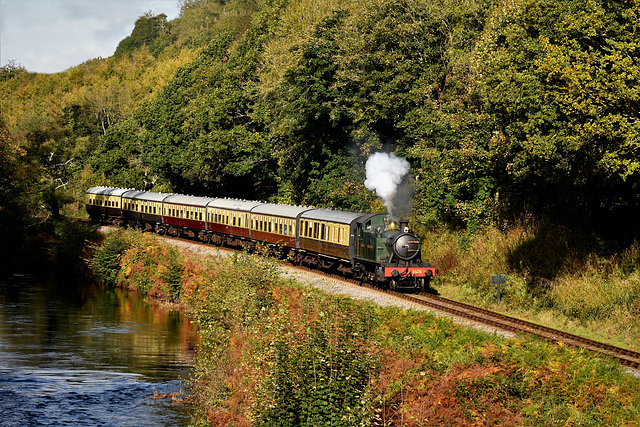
[[273, 352]]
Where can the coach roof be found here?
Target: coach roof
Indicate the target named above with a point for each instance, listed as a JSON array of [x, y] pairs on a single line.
[[188, 200], [234, 204], [107, 191], [329, 215], [145, 196], [286, 211]]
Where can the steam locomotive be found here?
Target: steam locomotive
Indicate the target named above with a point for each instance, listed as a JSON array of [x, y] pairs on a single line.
[[367, 247]]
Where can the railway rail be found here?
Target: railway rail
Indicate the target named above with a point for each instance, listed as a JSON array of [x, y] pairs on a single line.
[[490, 318], [625, 357]]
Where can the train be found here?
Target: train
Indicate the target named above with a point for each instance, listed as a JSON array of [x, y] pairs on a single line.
[[364, 246]]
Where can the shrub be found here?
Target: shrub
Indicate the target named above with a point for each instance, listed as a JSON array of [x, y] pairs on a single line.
[[320, 368], [105, 263]]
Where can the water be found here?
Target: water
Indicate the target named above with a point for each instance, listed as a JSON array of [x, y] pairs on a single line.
[[84, 355]]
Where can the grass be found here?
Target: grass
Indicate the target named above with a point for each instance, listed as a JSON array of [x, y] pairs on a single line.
[[274, 352], [553, 278]]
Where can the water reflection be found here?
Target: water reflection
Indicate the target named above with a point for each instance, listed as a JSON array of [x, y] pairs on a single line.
[[88, 356]]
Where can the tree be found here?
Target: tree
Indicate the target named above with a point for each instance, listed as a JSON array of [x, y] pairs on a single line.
[[151, 30], [561, 81], [310, 128], [405, 77]]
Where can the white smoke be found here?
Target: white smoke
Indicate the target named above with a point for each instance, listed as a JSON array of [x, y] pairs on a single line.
[[384, 175]]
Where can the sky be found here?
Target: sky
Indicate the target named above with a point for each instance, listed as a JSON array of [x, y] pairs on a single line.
[[48, 36]]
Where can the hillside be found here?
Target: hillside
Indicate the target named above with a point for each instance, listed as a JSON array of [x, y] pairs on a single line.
[[506, 110]]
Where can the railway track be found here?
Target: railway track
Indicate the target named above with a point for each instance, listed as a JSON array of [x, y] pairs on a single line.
[[486, 317]]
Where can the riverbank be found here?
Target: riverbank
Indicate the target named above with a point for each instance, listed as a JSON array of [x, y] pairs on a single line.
[[275, 352]]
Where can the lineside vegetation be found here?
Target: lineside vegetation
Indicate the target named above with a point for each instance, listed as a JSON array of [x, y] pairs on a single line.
[[274, 352]]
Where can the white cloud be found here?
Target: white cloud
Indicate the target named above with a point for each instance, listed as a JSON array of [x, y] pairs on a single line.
[[52, 35]]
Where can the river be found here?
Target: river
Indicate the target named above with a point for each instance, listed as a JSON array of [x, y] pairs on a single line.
[[85, 355]]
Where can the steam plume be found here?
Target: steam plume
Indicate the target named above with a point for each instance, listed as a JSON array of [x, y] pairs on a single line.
[[384, 176]]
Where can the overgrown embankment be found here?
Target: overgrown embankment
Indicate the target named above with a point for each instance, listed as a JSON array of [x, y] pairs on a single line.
[[276, 353], [554, 276]]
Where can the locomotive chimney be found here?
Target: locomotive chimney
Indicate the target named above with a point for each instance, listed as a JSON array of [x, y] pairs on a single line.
[[404, 225]]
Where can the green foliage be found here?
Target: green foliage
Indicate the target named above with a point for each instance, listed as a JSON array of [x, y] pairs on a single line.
[[551, 74], [311, 129], [150, 30], [199, 134], [105, 262], [69, 246], [13, 203], [171, 275], [504, 108], [118, 157], [321, 369]]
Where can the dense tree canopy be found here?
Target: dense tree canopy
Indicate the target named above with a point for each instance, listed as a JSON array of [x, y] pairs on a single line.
[[504, 108], [560, 79]]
